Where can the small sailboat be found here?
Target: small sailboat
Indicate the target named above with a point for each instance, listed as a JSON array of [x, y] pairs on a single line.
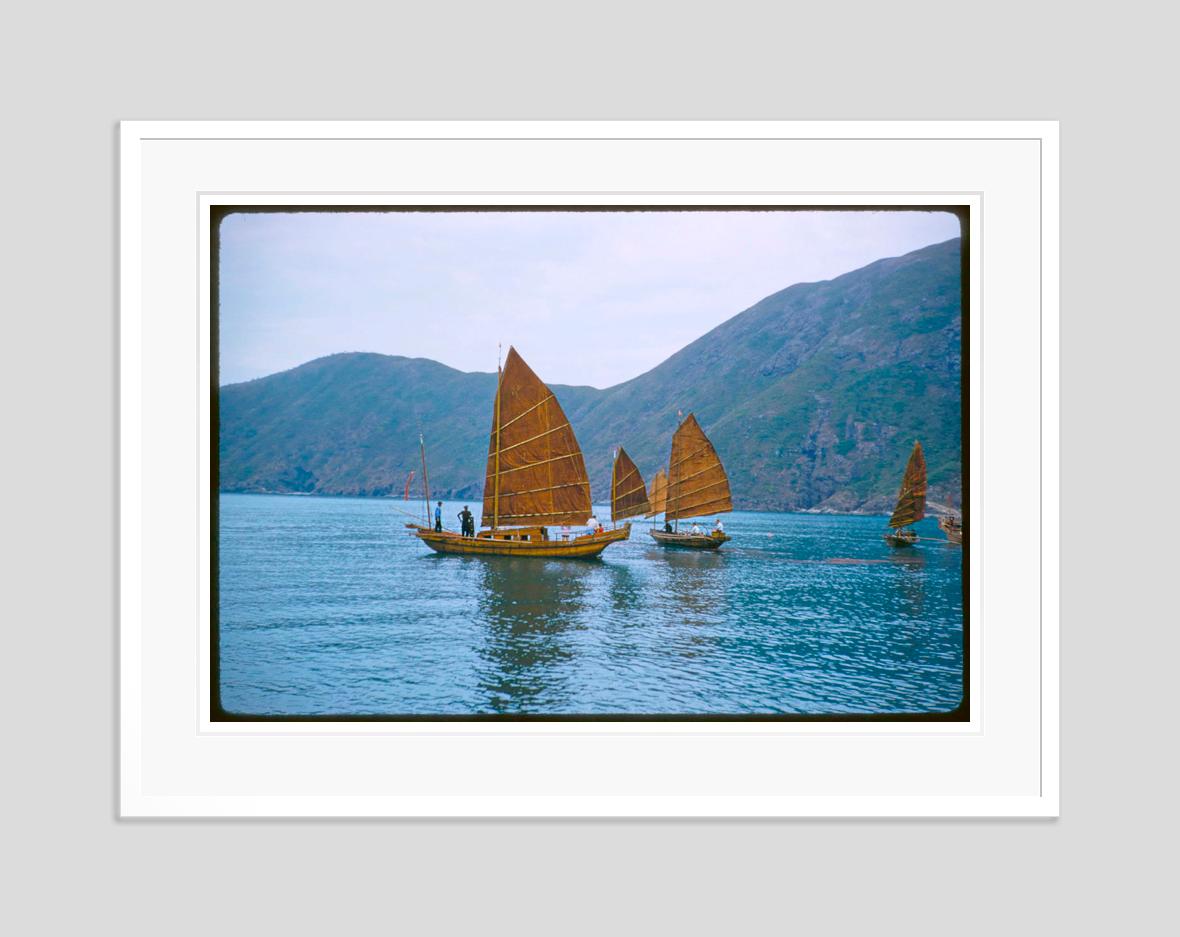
[[697, 487], [536, 479], [628, 493], [911, 502], [952, 526]]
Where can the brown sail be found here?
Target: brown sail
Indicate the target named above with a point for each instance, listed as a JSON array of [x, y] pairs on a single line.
[[911, 500], [697, 483], [536, 474], [659, 494], [628, 494]]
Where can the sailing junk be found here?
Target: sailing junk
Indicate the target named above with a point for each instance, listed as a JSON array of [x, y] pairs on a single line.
[[911, 501], [628, 494], [697, 486], [535, 478], [952, 526], [659, 494]]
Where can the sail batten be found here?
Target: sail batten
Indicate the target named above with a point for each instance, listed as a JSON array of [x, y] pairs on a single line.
[[659, 493], [697, 483], [628, 493], [911, 499], [535, 470]]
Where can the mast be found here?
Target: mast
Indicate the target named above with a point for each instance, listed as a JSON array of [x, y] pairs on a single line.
[[535, 471], [697, 483], [425, 477], [496, 498], [911, 499]]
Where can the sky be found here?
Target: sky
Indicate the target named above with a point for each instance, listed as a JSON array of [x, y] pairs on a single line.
[[586, 297]]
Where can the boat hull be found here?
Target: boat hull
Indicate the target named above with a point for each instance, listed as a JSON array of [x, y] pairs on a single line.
[[584, 547], [903, 538], [688, 541], [953, 531]]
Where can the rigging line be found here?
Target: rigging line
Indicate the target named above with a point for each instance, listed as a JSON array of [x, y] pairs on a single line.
[[526, 412], [693, 455], [697, 510], [521, 468], [524, 442], [707, 468], [620, 481], [629, 513], [557, 517], [711, 500], [533, 491], [703, 488], [631, 491]]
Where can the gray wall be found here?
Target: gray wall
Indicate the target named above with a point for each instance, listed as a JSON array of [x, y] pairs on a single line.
[[68, 76]]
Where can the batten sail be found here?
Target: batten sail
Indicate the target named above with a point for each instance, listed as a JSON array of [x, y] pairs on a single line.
[[628, 493], [536, 473], [659, 494], [697, 483], [911, 500]]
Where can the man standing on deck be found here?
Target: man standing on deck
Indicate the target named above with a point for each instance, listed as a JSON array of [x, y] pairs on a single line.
[[467, 522], [438, 518]]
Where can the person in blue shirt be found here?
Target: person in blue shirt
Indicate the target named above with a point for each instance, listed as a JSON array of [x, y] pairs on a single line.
[[438, 518]]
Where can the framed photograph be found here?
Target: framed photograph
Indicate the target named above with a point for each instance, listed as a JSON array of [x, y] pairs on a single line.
[[589, 469]]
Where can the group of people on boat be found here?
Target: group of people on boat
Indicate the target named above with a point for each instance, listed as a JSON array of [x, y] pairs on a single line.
[[696, 531], [466, 521]]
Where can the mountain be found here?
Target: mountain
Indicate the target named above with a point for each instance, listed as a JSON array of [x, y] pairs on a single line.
[[813, 397]]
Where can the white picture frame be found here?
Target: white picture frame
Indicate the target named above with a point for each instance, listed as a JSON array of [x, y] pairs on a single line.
[[175, 762]]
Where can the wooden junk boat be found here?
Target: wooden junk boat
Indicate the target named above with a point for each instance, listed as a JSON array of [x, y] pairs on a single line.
[[697, 486], [952, 526], [536, 480], [911, 502]]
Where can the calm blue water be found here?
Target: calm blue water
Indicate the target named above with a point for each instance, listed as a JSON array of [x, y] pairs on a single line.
[[327, 605]]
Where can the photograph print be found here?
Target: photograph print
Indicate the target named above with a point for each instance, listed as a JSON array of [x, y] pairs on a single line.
[[589, 463]]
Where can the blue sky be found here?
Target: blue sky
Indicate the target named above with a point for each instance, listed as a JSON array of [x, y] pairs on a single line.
[[586, 297]]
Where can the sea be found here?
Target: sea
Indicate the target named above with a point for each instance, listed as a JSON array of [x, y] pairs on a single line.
[[329, 606]]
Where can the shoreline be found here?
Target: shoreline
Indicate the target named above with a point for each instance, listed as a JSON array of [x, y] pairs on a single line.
[[936, 508]]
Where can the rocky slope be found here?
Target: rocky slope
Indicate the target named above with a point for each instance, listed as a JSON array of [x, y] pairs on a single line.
[[813, 397]]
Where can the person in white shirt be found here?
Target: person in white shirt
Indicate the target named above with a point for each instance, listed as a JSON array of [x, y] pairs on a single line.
[[696, 529], [592, 523], [718, 529]]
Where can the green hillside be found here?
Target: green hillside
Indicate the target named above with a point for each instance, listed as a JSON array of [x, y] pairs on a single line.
[[813, 397]]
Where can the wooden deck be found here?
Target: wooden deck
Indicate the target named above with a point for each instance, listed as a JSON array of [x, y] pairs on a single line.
[[687, 541], [509, 542], [903, 538]]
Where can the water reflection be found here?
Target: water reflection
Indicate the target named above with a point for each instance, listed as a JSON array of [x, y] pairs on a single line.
[[625, 590], [691, 588], [529, 608], [911, 581]]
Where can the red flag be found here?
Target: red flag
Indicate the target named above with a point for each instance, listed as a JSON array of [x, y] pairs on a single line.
[[406, 496]]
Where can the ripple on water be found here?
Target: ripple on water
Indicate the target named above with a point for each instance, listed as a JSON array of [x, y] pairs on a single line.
[[328, 606]]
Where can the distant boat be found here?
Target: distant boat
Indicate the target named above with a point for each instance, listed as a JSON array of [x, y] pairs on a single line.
[[952, 526], [536, 480], [628, 493], [659, 493], [697, 487], [911, 502]]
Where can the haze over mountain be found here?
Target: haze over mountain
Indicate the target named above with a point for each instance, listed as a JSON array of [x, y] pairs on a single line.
[[813, 397]]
